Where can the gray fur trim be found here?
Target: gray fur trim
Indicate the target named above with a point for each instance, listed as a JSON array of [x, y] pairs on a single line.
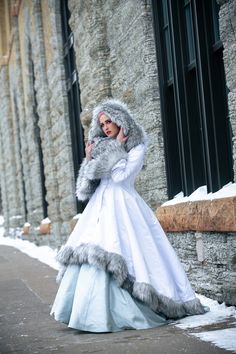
[[85, 187], [194, 307], [102, 166], [116, 265], [64, 255], [119, 113], [106, 153]]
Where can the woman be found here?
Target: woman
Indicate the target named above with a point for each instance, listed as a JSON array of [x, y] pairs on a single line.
[[119, 269]]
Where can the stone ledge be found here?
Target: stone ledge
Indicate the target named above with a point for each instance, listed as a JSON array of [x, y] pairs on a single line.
[[203, 215]]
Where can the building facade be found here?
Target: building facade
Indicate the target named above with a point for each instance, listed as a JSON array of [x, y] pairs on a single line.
[[173, 63]]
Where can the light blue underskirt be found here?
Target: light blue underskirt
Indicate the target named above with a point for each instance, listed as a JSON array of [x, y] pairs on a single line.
[[89, 299]]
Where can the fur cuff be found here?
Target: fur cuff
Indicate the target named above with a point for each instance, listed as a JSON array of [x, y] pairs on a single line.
[[102, 166], [116, 265], [84, 187]]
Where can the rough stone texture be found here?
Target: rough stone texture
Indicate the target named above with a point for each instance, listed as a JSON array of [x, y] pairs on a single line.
[[211, 266], [45, 123], [115, 55], [3, 162], [227, 18], [28, 125], [9, 167], [60, 123], [205, 215]]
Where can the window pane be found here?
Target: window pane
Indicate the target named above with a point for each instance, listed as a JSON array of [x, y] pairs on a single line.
[[165, 12], [190, 35], [216, 8], [168, 54]]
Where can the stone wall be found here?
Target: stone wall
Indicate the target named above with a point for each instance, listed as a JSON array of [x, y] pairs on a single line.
[[34, 120], [227, 18], [210, 262], [60, 122], [9, 166]]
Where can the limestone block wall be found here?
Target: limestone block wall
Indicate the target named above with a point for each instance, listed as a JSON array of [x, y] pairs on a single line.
[[210, 262], [227, 19], [18, 119], [28, 127], [59, 116], [3, 161], [115, 56], [10, 167]]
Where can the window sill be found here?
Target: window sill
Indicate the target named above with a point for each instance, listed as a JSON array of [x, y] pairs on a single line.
[[203, 215]]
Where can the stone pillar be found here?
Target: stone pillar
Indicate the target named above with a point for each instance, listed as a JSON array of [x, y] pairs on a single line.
[[45, 123], [88, 23], [9, 172], [29, 183], [59, 114], [4, 189], [227, 20]]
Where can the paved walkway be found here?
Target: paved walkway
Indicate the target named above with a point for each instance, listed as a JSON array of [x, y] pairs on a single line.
[[27, 289]]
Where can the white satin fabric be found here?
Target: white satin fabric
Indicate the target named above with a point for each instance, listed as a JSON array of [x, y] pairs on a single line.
[[118, 220]]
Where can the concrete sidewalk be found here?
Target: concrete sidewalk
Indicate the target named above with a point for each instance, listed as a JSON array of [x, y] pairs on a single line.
[[27, 289]]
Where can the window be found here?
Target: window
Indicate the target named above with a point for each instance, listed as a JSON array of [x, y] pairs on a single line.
[[193, 95], [73, 92]]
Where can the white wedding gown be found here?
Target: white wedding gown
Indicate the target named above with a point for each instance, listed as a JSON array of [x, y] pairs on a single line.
[[119, 221]]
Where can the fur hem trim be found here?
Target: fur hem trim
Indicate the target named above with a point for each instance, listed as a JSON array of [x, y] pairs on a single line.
[[116, 265]]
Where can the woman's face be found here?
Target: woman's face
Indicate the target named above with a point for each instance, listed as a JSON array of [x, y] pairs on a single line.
[[108, 127]]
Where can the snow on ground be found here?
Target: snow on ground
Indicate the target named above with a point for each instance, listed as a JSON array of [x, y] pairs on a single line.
[[223, 338], [44, 254], [229, 190], [219, 313]]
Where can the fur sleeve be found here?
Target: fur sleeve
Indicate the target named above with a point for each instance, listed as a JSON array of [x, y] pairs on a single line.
[[85, 187], [103, 164]]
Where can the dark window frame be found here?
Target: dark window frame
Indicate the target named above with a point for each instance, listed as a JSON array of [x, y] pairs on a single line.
[[190, 103]]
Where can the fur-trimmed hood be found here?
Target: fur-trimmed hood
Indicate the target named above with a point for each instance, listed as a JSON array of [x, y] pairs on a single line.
[[107, 151], [119, 113]]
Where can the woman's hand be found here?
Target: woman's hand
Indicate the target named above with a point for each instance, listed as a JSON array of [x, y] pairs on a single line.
[[88, 150], [121, 136]]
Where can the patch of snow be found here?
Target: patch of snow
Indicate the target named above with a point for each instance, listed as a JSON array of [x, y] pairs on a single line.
[[43, 253], [223, 338], [2, 230], [1, 220], [16, 217], [77, 216], [229, 190], [27, 224], [218, 313], [46, 221]]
